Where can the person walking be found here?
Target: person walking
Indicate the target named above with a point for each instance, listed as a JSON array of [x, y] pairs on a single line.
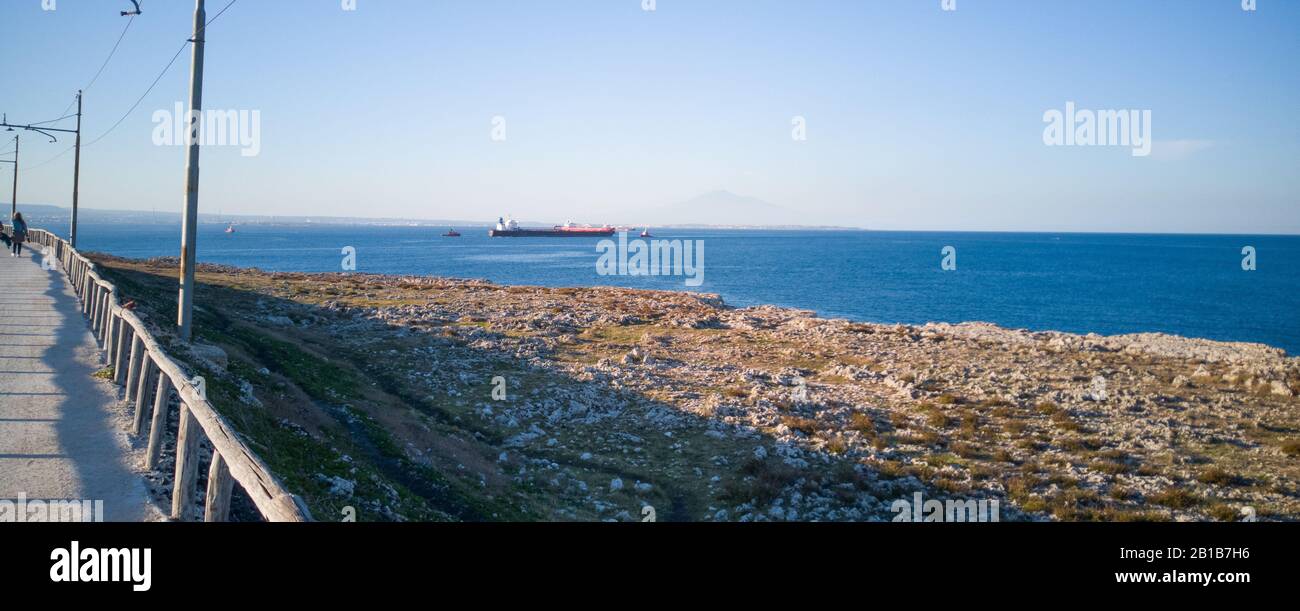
[[20, 234]]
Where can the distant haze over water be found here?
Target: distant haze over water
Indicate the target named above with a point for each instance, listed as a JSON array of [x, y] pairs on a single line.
[[1191, 285]]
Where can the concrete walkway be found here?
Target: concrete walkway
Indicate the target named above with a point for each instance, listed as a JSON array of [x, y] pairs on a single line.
[[62, 434]]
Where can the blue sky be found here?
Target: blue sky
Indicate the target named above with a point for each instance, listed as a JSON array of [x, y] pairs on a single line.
[[917, 118]]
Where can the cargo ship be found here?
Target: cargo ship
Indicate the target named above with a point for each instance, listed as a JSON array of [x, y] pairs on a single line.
[[508, 228]]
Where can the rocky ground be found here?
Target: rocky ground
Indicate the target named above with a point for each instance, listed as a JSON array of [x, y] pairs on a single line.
[[423, 399]]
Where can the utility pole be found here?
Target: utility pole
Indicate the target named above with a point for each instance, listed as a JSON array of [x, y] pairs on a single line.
[[189, 229], [45, 131], [14, 209], [76, 176]]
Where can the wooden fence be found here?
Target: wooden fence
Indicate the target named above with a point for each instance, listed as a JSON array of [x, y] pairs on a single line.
[[150, 377]]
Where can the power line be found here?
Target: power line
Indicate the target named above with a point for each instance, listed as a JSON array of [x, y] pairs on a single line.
[[97, 73], [66, 109], [214, 18], [110, 53], [142, 96], [74, 101], [93, 79], [48, 161], [160, 75]]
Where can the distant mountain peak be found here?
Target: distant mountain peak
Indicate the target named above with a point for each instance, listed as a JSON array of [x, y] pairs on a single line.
[[722, 207], [723, 194]]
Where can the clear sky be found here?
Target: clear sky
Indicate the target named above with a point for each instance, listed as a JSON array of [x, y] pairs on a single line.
[[917, 118]]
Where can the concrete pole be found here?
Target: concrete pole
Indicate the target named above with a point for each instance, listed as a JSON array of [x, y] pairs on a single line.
[[14, 208], [189, 225], [76, 176]]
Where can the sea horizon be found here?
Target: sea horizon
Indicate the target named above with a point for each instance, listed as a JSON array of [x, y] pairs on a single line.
[[207, 218], [1069, 282]]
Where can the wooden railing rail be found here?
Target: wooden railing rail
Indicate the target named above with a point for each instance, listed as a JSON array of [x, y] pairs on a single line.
[[150, 376]]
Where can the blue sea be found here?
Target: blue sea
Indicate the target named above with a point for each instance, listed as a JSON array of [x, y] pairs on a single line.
[[1191, 285]]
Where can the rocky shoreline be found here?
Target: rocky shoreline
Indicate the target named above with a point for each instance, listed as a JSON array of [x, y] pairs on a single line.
[[429, 398]]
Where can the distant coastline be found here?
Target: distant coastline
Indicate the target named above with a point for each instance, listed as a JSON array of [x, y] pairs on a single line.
[[54, 218], [45, 211]]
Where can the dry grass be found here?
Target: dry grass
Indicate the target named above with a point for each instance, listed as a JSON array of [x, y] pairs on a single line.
[[1111, 467], [1217, 476], [1175, 498], [807, 426], [862, 423], [1064, 422], [735, 392], [1223, 513]]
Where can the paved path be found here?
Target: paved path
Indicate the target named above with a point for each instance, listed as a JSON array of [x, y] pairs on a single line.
[[61, 429]]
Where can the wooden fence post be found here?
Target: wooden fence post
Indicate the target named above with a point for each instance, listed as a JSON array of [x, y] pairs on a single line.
[[92, 305], [107, 316], [119, 371], [161, 402], [187, 466], [111, 337], [142, 393], [133, 371], [220, 484]]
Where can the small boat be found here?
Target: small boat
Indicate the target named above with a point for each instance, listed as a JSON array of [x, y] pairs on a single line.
[[230, 228], [451, 233], [646, 233]]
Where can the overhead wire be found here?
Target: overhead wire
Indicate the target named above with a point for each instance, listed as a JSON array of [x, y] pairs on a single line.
[[146, 93]]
